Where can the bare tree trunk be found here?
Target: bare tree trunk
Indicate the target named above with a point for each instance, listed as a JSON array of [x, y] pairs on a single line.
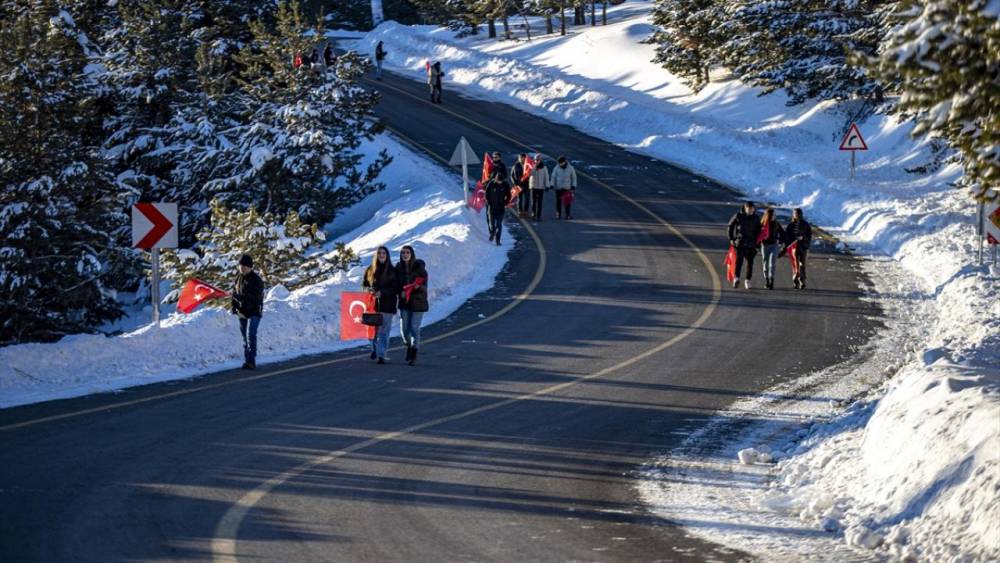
[[527, 25], [593, 13], [604, 12], [491, 26], [579, 17], [562, 20], [506, 27], [548, 23]]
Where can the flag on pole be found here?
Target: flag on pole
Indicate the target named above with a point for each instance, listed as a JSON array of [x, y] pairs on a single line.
[[730, 264], [353, 304], [529, 167], [195, 293], [487, 170], [514, 193]]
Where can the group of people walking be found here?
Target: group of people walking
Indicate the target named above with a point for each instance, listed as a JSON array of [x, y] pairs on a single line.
[[533, 181], [749, 232]]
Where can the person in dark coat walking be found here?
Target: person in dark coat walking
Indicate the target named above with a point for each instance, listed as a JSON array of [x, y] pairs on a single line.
[[380, 54], [497, 198], [743, 230], [248, 304], [434, 81], [799, 232], [381, 280], [519, 179], [771, 234], [412, 274], [329, 57]]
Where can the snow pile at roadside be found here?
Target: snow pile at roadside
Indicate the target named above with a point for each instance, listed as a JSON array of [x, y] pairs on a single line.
[[911, 470], [422, 205]]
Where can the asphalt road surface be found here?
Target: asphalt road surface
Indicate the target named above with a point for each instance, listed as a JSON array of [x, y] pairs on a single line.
[[516, 436]]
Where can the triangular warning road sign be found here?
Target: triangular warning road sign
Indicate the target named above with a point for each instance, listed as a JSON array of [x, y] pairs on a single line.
[[853, 141], [470, 155]]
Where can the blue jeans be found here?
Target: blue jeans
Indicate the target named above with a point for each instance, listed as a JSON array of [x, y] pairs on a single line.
[[248, 328], [378, 68], [494, 218], [769, 257], [409, 325], [381, 341]]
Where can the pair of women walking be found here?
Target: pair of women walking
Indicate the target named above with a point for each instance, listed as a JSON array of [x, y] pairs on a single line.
[[398, 287]]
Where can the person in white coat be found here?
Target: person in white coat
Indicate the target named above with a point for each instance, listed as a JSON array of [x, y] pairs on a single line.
[[563, 179], [538, 182]]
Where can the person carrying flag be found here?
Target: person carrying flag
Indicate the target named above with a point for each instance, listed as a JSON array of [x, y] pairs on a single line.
[[563, 179], [381, 280], [770, 235], [497, 198], [798, 238], [538, 182], [412, 274], [743, 230], [519, 176], [248, 304]]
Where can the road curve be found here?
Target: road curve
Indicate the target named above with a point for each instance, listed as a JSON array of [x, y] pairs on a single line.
[[605, 339]]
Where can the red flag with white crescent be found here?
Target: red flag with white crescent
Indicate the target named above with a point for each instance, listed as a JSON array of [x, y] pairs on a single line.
[[353, 304], [793, 257], [529, 167], [730, 264], [195, 293]]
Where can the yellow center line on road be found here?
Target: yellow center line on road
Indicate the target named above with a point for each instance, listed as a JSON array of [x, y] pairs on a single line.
[[223, 545]]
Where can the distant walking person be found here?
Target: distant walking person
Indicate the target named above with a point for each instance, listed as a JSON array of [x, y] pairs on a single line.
[[743, 230], [497, 198], [380, 54], [434, 81], [563, 179], [382, 281], [770, 235], [248, 305], [538, 182], [412, 274], [520, 179], [799, 233], [329, 57]]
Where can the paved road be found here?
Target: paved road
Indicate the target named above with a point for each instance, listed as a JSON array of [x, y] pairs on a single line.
[[514, 439]]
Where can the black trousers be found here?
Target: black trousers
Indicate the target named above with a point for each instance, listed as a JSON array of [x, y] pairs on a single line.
[[800, 255], [745, 254], [536, 203]]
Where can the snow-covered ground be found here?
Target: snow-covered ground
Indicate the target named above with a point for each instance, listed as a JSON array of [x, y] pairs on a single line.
[[422, 205], [912, 469]]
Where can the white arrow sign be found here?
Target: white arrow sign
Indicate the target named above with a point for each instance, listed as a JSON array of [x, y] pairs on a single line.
[[465, 156], [154, 225]]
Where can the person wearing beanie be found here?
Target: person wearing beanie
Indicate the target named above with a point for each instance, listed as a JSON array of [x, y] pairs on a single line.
[[248, 305], [412, 274]]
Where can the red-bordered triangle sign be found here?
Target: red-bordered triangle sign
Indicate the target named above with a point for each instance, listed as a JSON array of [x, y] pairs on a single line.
[[154, 225], [853, 141]]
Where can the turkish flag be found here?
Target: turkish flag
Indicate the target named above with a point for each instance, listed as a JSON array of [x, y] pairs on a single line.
[[195, 293], [353, 304], [478, 200], [730, 264], [487, 169], [793, 258], [514, 193], [529, 167]]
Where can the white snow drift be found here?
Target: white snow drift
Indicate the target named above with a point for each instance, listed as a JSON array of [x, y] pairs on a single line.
[[422, 206], [911, 470]]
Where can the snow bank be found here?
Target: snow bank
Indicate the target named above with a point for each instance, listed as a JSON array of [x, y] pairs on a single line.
[[422, 206], [913, 468]]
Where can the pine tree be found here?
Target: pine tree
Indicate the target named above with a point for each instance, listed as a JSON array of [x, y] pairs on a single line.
[[943, 57], [296, 144], [286, 252], [802, 46], [687, 38], [59, 209]]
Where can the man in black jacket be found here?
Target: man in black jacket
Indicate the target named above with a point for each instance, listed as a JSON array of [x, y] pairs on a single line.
[[497, 198], [248, 304], [800, 233], [743, 230], [518, 178]]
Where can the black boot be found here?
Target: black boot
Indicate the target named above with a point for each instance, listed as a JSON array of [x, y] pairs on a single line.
[[412, 360], [409, 352]]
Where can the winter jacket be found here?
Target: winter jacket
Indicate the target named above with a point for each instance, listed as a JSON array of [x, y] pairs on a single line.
[[497, 194], [418, 296], [434, 78], [386, 288], [380, 52], [563, 178], [799, 231], [328, 56], [516, 173], [743, 229], [248, 295], [539, 179], [775, 234]]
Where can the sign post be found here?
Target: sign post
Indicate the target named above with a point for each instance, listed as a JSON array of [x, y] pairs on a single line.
[[154, 226], [853, 141], [465, 156]]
